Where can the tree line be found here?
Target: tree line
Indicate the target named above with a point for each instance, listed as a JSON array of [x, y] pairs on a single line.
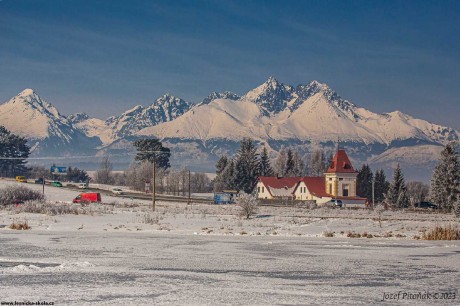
[[443, 191], [169, 181], [250, 162]]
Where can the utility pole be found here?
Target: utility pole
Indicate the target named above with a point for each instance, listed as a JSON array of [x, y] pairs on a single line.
[[189, 202], [153, 183], [373, 187], [43, 185]]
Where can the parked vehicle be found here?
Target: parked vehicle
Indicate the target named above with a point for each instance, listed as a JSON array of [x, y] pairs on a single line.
[[225, 197], [21, 179], [89, 197], [334, 203], [426, 204], [117, 191], [82, 186], [39, 180], [56, 184]]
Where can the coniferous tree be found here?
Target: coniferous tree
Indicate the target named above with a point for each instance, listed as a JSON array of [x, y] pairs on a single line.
[[152, 149], [445, 182], [397, 193], [228, 176], [76, 175], [221, 164], [15, 151], [299, 165], [246, 166], [280, 163], [364, 183], [289, 168], [265, 168], [381, 186]]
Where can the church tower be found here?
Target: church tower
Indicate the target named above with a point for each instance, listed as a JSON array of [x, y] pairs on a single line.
[[340, 176]]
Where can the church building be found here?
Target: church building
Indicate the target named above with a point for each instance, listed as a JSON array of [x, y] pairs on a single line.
[[338, 184]]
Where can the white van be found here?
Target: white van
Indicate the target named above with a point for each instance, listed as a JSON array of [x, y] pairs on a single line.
[[82, 186]]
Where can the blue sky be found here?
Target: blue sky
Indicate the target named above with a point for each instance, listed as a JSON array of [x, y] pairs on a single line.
[[103, 57]]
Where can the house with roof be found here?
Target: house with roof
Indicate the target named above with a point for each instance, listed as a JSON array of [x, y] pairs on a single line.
[[338, 183], [272, 187]]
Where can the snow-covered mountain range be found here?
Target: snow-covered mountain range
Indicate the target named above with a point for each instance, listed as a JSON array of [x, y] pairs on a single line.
[[306, 117], [47, 130]]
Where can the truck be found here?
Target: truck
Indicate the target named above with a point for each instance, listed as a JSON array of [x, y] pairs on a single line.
[[88, 197], [225, 197]]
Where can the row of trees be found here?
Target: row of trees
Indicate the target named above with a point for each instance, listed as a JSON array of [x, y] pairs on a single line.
[[241, 172], [445, 184], [73, 174], [365, 180], [170, 181], [291, 164]]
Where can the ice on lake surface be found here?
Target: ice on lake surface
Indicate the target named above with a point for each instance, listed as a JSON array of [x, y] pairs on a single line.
[[207, 255]]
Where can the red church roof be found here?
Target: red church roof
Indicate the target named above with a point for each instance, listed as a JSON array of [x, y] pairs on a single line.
[[340, 163], [316, 186]]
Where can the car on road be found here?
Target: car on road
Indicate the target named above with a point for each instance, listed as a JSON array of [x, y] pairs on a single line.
[[21, 179], [82, 186], [426, 205], [38, 181], [56, 184], [334, 203], [117, 191]]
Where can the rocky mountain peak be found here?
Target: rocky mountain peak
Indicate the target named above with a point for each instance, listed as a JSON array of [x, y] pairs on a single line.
[[271, 96], [220, 95], [77, 118]]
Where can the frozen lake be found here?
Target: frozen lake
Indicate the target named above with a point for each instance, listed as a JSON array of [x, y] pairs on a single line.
[[145, 268], [207, 255]]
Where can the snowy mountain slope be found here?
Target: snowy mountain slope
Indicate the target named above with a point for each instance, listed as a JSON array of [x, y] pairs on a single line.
[[91, 127], [312, 112], [163, 109], [306, 117], [28, 115]]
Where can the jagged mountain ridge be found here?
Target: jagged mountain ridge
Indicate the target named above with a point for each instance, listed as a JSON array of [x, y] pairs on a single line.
[[163, 109], [312, 112], [306, 116], [28, 115]]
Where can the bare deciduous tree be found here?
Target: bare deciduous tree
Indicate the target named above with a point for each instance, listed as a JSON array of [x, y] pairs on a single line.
[[248, 204], [104, 173]]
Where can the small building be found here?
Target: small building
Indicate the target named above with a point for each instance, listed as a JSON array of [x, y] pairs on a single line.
[[338, 183], [312, 188], [271, 187]]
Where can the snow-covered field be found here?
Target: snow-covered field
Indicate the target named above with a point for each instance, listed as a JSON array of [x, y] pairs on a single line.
[[206, 255]]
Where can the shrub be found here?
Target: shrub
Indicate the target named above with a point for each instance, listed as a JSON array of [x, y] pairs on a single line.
[[328, 234], [19, 225], [447, 232], [248, 205], [353, 235], [53, 209], [19, 194]]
